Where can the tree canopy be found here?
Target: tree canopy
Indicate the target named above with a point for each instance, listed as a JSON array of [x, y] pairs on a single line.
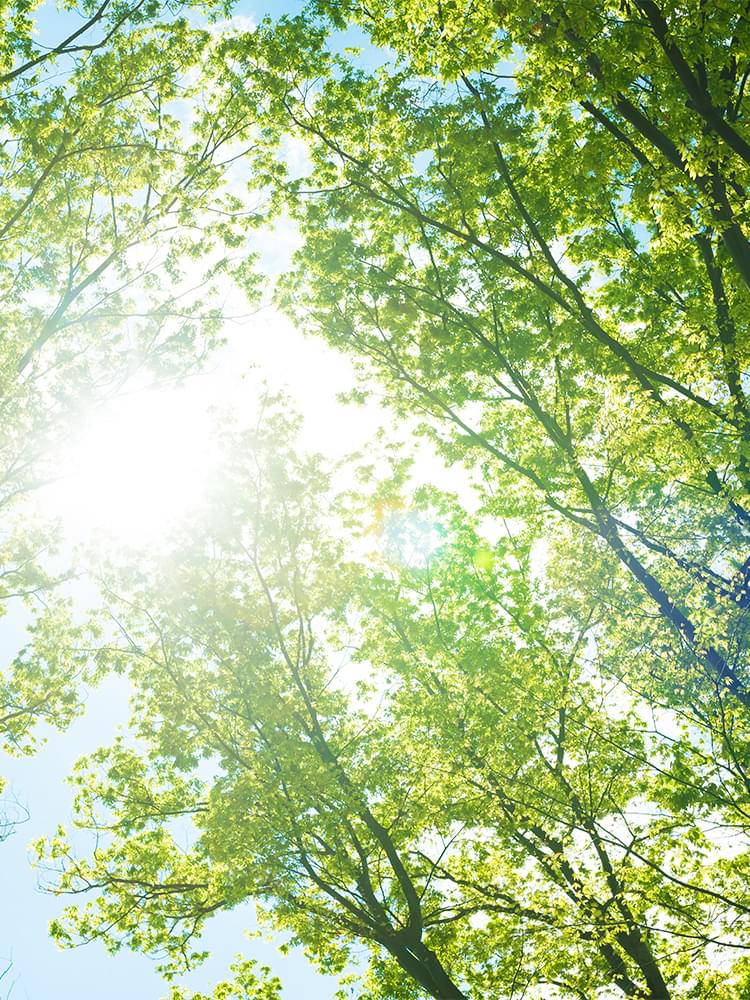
[[403, 750], [114, 224], [485, 743]]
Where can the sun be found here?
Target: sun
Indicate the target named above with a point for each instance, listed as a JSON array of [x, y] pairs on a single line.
[[134, 466]]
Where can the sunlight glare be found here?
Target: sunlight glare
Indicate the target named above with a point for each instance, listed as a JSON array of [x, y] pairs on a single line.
[[134, 468]]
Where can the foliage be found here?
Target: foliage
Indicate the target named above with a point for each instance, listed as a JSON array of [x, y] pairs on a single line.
[[513, 761], [245, 985], [563, 317], [402, 749], [113, 185]]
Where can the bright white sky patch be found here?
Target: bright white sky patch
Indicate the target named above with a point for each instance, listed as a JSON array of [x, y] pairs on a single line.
[[139, 463], [133, 468]]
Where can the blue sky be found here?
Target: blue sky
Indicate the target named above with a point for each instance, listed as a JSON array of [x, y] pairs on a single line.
[[40, 970]]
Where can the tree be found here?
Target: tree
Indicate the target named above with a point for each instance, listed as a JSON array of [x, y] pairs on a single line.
[[410, 756], [524, 786], [107, 199], [666, 82], [566, 312]]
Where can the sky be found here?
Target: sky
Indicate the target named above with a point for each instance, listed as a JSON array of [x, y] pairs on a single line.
[[265, 347]]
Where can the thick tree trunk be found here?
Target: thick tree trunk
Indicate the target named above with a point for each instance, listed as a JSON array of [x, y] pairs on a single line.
[[425, 968]]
